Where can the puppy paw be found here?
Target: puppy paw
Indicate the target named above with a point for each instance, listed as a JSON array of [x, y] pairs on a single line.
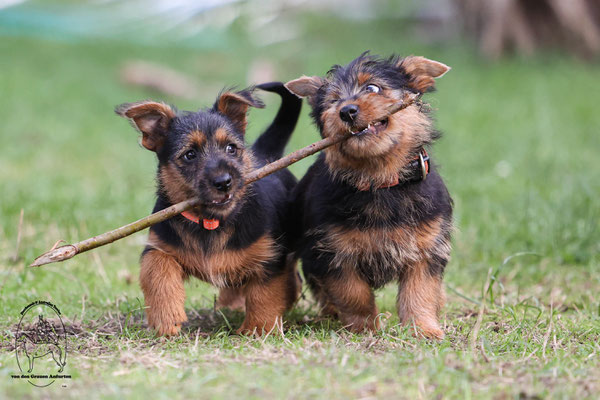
[[261, 328], [232, 299], [328, 311], [166, 324], [361, 323], [428, 329], [168, 330]]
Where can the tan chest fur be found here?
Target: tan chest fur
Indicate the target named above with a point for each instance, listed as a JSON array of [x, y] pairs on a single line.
[[393, 247], [220, 266]]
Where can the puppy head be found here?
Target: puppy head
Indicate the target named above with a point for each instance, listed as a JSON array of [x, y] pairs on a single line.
[[362, 98], [201, 154]]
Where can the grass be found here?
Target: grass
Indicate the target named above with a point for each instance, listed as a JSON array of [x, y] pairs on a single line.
[[519, 156]]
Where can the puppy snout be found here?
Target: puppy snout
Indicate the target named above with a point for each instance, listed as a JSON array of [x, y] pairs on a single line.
[[349, 113], [222, 182]]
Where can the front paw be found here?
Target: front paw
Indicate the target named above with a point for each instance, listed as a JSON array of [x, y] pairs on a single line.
[[167, 330], [361, 323], [428, 330], [250, 328], [166, 326]]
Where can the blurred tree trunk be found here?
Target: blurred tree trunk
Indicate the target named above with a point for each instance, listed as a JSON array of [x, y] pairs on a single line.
[[502, 26]]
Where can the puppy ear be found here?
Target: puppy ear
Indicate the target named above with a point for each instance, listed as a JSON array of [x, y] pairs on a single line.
[[150, 118], [234, 105], [305, 86], [422, 72]]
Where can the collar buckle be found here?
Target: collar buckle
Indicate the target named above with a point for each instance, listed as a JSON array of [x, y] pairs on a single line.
[[423, 166], [419, 169]]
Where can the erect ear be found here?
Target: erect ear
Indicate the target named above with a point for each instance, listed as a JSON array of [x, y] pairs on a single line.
[[422, 72], [150, 118], [305, 86], [234, 105]]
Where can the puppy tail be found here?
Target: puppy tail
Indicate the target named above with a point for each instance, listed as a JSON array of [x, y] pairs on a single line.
[[272, 142]]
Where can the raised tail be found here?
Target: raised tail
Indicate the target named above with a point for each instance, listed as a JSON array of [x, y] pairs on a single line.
[[272, 142]]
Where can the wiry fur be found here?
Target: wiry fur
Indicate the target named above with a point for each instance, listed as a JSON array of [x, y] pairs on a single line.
[[359, 239], [247, 256]]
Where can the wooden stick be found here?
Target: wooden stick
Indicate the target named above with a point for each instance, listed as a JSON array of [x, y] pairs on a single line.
[[70, 250]]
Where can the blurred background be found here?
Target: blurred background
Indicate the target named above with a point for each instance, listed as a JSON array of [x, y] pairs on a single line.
[[519, 113]]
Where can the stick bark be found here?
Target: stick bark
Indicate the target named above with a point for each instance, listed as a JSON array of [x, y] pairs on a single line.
[[70, 250]]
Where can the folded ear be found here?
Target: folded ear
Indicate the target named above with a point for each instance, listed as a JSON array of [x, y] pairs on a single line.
[[305, 86], [234, 105], [422, 72], [150, 118]]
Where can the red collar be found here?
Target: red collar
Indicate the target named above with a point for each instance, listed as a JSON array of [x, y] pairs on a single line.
[[419, 167], [210, 224]]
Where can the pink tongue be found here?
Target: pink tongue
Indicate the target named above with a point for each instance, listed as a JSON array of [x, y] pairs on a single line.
[[372, 129]]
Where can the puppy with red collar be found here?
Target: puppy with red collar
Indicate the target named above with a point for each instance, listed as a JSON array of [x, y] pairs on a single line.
[[236, 239], [373, 209]]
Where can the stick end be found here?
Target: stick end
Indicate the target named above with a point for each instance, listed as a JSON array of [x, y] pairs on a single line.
[[59, 254]]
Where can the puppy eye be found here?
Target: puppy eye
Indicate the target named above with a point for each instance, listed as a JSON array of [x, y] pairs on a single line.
[[189, 155], [231, 148], [373, 88]]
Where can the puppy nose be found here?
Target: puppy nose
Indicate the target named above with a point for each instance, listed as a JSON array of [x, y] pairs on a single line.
[[222, 182], [348, 113]]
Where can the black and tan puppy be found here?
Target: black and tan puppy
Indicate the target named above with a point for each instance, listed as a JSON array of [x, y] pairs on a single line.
[[236, 239], [373, 209]]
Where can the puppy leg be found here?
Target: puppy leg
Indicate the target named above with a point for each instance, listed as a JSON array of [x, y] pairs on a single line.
[[232, 298], [161, 279], [354, 300], [266, 301], [420, 299], [294, 281], [311, 266], [326, 307]]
